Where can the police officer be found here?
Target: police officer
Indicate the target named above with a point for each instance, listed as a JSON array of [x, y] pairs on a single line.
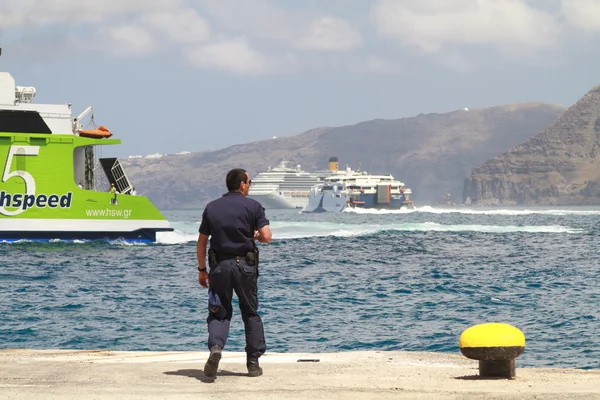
[[233, 223]]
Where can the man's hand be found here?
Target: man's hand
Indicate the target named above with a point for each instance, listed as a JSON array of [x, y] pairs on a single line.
[[203, 279], [263, 235]]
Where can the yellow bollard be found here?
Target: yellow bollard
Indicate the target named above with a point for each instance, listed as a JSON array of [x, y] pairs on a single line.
[[495, 345]]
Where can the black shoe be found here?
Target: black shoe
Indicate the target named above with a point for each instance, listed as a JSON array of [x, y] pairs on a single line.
[[254, 369], [212, 364]]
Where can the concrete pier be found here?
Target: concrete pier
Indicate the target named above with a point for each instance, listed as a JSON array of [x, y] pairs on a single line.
[[82, 375]]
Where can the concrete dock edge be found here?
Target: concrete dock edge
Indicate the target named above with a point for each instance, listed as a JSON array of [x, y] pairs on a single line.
[[101, 374]]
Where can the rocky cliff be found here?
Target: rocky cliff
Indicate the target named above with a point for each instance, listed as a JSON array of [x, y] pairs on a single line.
[[431, 154], [558, 166]]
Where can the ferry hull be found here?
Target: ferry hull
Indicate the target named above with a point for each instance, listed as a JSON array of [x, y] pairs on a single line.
[[322, 203], [327, 203], [138, 236], [40, 199], [370, 201], [337, 197], [81, 229], [275, 201], [325, 198]]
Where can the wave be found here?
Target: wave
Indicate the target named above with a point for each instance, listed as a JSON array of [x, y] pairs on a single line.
[[485, 211], [187, 232], [184, 232], [294, 230], [175, 237]]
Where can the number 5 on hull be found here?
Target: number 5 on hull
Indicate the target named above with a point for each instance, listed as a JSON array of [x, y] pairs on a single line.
[[26, 176]]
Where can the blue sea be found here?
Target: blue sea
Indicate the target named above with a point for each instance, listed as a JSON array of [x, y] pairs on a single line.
[[357, 280]]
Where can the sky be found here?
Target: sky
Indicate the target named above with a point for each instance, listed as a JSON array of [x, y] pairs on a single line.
[[168, 76]]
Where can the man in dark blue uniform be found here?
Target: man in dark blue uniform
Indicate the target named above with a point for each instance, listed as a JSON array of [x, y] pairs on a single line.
[[233, 223]]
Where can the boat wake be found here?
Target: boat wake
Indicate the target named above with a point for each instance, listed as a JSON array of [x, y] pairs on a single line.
[[187, 232], [184, 232], [294, 230], [175, 237], [483, 211]]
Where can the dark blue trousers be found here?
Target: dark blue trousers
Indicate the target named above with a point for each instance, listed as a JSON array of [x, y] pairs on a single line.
[[225, 278]]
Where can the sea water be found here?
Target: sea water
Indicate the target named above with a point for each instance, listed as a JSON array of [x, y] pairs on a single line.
[[408, 280]]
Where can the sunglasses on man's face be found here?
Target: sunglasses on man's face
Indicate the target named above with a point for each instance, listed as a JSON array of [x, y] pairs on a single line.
[[249, 182]]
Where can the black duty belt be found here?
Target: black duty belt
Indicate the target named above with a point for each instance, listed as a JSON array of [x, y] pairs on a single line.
[[225, 257]]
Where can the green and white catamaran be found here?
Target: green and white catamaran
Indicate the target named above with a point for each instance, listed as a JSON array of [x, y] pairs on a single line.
[[53, 186]]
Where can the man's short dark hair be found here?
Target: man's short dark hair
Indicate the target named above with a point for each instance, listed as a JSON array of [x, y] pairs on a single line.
[[234, 178]]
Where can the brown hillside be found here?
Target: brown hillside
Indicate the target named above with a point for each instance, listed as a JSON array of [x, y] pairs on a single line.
[[431, 153], [557, 166]]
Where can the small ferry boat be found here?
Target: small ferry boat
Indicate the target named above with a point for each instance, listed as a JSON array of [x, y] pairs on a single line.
[[358, 189], [54, 186]]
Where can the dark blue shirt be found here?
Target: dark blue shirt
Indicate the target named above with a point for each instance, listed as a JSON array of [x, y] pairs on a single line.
[[230, 221]]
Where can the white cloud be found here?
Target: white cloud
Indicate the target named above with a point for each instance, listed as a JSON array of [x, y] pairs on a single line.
[[233, 55], [127, 40], [582, 14], [255, 18], [41, 12], [180, 26], [151, 31], [263, 19], [199, 28], [330, 34], [433, 25], [274, 38]]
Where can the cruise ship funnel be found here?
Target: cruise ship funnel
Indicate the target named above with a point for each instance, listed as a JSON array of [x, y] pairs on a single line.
[[333, 164]]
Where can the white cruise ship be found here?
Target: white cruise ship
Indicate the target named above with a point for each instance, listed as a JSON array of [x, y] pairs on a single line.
[[285, 187]]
